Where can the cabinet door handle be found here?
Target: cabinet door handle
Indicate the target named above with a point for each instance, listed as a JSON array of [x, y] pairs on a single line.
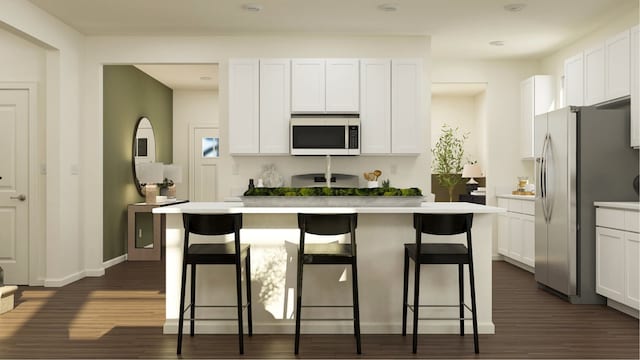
[[20, 197]]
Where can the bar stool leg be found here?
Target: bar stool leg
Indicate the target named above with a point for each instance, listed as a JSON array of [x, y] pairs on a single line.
[[473, 307], [193, 301], [298, 303], [356, 305], [461, 297], [416, 305], [248, 280], [239, 300], [181, 316], [405, 292]]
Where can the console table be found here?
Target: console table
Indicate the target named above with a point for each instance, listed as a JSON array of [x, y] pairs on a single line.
[[159, 225]]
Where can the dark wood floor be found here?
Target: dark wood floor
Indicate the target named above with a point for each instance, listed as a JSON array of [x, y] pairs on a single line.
[[121, 314]]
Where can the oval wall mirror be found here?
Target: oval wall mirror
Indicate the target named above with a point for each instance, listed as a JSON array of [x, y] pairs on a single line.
[[144, 147]]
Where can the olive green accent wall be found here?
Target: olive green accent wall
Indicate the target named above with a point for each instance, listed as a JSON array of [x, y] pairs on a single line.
[[129, 94]]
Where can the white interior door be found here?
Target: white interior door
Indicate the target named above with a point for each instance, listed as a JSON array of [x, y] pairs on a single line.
[[205, 155], [14, 186]]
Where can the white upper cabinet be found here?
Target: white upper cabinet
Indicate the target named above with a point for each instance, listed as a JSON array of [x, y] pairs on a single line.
[[307, 85], [594, 75], [617, 50], [275, 75], [325, 86], [375, 106], [407, 118], [574, 80], [243, 106], [342, 86], [635, 86], [536, 97]]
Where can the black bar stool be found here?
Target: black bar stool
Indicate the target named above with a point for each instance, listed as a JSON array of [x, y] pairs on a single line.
[[439, 253], [323, 254], [214, 254]]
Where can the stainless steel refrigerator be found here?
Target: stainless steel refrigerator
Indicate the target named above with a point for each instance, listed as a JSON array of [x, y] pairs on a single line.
[[582, 155]]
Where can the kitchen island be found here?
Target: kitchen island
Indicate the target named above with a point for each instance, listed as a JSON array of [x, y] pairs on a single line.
[[381, 233]]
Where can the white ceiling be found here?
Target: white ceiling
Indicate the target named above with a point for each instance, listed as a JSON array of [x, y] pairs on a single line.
[[184, 77], [459, 28], [457, 89]]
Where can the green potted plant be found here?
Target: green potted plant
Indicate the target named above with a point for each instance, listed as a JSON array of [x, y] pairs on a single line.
[[447, 161]]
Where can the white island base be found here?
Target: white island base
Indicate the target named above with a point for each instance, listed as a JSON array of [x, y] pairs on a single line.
[[381, 233]]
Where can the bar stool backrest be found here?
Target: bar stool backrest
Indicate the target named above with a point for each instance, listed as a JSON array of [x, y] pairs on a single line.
[[443, 224], [327, 224], [212, 224]]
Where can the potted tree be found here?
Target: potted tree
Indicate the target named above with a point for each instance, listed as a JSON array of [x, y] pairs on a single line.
[[447, 158]]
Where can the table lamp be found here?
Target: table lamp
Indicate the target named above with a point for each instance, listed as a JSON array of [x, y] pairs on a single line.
[[173, 176], [150, 174], [471, 171]]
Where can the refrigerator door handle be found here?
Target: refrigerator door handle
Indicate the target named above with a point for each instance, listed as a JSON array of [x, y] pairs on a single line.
[[543, 178], [549, 199]]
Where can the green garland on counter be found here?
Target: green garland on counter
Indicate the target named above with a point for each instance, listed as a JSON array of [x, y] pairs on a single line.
[[325, 191]]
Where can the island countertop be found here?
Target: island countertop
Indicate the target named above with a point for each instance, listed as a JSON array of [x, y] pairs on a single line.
[[381, 233], [235, 207]]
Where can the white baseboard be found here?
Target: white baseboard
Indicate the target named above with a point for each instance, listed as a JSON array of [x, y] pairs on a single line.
[[65, 280], [321, 327], [84, 273], [519, 264], [115, 261], [623, 308]]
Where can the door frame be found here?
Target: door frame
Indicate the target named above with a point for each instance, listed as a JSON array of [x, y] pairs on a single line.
[[192, 178], [35, 234]]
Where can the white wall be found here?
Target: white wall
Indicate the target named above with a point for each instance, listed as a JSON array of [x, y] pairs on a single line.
[[190, 107], [457, 111], [554, 64], [67, 256]]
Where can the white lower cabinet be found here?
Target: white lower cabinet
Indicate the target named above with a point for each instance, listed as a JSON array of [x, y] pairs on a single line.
[[618, 256], [516, 238]]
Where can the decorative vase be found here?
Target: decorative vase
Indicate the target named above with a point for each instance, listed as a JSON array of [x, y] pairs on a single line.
[[373, 184]]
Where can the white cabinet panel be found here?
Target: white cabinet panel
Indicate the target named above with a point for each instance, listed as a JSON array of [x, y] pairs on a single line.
[[610, 244], [307, 85], [375, 106], [594, 75], [574, 81], [515, 236], [536, 97], [632, 269], [243, 106], [528, 240], [617, 66], [342, 86], [503, 234], [407, 120], [275, 94], [635, 86]]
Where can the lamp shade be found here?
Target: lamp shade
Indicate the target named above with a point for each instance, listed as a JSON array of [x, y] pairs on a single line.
[[150, 173], [173, 173], [471, 171]]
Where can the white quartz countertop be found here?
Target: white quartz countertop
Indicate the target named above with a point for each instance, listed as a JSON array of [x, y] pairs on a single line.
[[623, 205], [519, 197], [235, 207]]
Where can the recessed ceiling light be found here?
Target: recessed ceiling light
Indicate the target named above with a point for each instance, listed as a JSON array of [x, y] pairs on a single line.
[[205, 78], [387, 7], [515, 7], [252, 7], [496, 43]]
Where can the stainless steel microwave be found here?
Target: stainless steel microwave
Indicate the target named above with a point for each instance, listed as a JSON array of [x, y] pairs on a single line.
[[325, 135]]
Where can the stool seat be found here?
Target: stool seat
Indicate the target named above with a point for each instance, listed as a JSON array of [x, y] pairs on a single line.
[[215, 253], [439, 253], [331, 253]]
